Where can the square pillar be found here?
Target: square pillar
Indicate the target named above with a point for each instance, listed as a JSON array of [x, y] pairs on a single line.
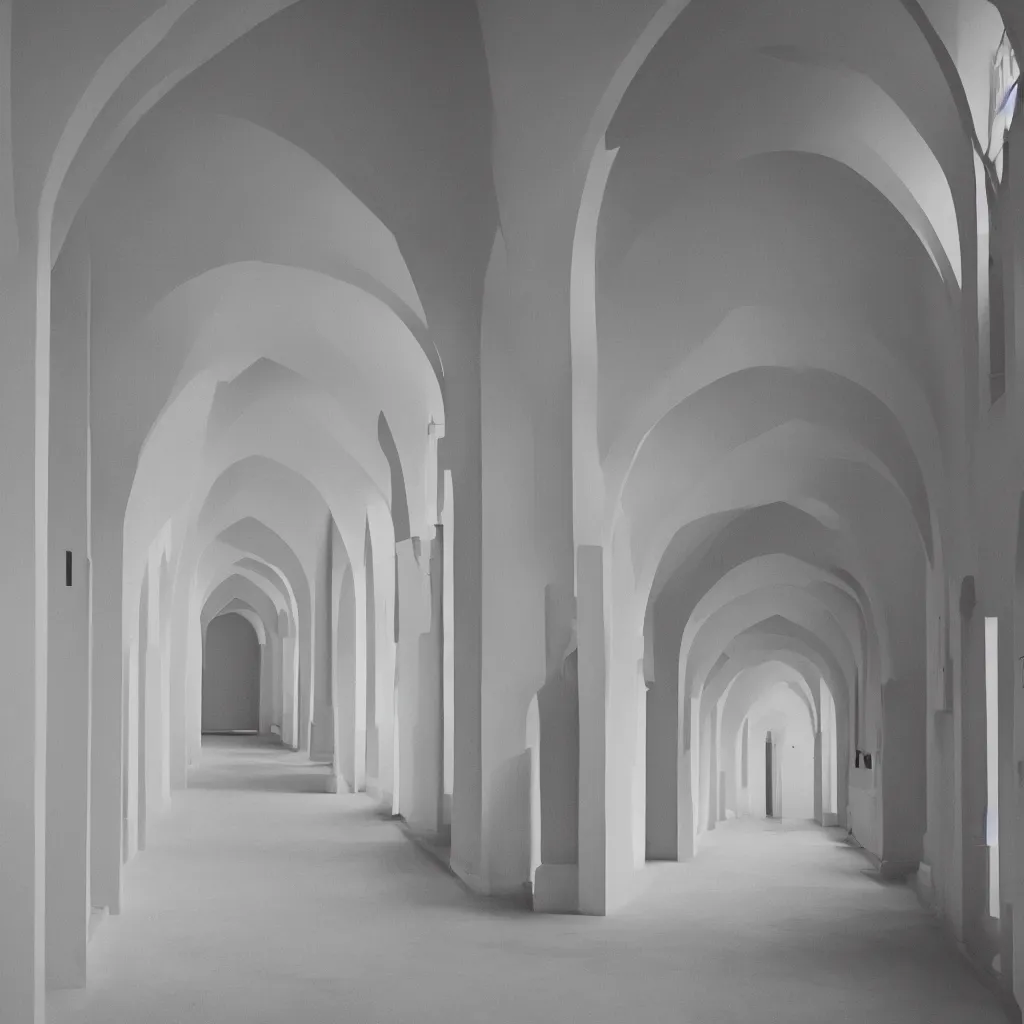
[[109, 672], [820, 785], [350, 677], [713, 784], [689, 779], [24, 425], [413, 609], [664, 733], [268, 668], [429, 747], [590, 604], [321, 738], [69, 685]]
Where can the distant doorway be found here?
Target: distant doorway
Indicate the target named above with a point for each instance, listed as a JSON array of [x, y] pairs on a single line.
[[772, 778], [231, 676]]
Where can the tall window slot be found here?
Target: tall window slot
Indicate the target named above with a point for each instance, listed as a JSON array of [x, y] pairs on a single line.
[[992, 760], [743, 752], [1004, 90]]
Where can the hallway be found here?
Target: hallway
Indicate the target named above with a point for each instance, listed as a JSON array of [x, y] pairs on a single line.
[[260, 899], [562, 435]]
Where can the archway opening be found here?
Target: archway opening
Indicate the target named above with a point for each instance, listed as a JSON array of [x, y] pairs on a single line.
[[772, 777], [777, 745], [231, 677]]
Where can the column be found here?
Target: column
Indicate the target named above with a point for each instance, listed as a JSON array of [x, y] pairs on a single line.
[[321, 747], [356, 724], [428, 783], [268, 667], [1014, 207], [640, 774], [130, 752], [304, 690], [819, 777], [382, 680], [167, 708], [280, 674], [194, 685], [107, 814], [370, 666], [139, 723], [903, 777], [730, 773], [24, 425], [178, 665], [156, 698], [714, 811], [556, 882], [290, 702], [592, 697], [413, 616], [344, 680], [663, 754], [689, 775], [68, 698], [419, 683]]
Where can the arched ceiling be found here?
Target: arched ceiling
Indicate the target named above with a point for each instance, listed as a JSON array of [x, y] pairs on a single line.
[[290, 208], [754, 688], [275, 283], [785, 261]]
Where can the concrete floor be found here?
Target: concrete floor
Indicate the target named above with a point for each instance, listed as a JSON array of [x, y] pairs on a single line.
[[261, 899]]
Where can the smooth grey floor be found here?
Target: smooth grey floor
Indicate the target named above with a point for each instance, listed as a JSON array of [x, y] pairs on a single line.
[[261, 899]]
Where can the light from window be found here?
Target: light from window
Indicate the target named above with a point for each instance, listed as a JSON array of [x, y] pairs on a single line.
[[992, 760], [1003, 100]]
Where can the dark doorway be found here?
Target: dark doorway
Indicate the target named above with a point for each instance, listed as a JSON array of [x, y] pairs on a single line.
[[231, 676]]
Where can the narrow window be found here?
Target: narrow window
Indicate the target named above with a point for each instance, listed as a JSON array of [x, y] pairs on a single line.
[[992, 760], [67, 568], [829, 762], [743, 752], [1003, 101]]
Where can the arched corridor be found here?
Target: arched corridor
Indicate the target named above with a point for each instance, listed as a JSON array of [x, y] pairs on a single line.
[[474, 467]]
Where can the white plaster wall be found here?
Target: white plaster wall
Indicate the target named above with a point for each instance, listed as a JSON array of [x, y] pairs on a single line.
[[823, 218]]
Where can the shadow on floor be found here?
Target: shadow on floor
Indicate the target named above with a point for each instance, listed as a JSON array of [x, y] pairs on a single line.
[[299, 782], [257, 764]]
